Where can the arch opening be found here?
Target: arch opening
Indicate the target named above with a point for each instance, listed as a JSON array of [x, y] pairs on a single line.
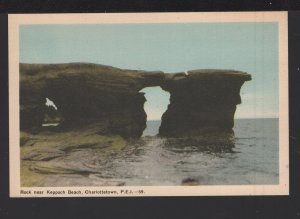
[[157, 101], [52, 116]]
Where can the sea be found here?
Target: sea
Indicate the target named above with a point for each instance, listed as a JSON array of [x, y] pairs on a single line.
[[249, 156], [253, 158]]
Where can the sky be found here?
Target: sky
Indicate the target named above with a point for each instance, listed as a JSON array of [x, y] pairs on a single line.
[[249, 47]]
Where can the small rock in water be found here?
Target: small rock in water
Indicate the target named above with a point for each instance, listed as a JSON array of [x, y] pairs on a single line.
[[190, 182], [121, 184]]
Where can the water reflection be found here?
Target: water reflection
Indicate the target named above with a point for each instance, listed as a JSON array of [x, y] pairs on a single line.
[[210, 143], [85, 158]]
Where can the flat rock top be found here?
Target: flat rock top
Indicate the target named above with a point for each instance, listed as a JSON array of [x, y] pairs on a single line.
[[104, 72], [96, 75], [207, 74], [218, 73], [75, 68]]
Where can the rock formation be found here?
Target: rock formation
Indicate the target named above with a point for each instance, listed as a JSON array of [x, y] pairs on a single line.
[[89, 93], [201, 101], [84, 94]]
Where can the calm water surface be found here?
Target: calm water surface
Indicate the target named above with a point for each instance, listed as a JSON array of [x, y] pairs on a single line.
[[253, 159]]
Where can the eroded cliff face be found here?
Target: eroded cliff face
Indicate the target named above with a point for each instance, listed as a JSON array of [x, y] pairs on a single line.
[[85, 94], [201, 101], [109, 97]]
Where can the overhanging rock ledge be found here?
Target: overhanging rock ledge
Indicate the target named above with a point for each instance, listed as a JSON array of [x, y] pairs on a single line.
[[109, 97]]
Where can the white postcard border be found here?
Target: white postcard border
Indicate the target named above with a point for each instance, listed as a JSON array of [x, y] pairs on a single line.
[[202, 190]]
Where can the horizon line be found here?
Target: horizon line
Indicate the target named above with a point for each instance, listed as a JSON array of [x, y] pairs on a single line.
[[234, 118]]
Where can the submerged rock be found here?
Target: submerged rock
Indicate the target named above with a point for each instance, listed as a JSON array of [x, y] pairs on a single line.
[[190, 182], [71, 157]]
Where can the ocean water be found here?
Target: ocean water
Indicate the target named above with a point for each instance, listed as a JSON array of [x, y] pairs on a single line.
[[252, 159], [248, 157]]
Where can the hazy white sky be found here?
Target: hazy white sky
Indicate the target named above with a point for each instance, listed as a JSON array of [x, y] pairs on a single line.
[[250, 47]]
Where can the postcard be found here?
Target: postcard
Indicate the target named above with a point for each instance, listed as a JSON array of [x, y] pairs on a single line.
[[148, 104]]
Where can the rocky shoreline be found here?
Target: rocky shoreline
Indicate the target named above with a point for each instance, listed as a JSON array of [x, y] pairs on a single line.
[[99, 113]]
